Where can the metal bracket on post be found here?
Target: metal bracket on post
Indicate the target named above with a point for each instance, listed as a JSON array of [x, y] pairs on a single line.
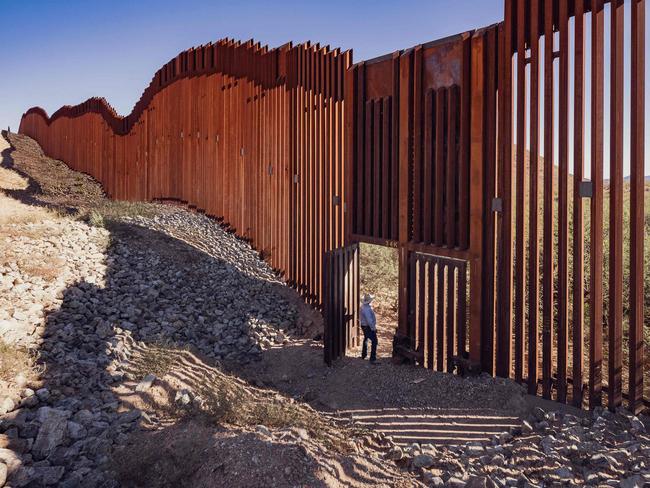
[[497, 205], [336, 200], [296, 178], [586, 189]]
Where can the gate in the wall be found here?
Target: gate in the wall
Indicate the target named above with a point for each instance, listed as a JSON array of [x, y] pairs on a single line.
[[438, 310], [412, 185], [341, 304]]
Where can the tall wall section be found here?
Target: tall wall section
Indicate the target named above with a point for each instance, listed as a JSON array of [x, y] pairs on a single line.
[[247, 134]]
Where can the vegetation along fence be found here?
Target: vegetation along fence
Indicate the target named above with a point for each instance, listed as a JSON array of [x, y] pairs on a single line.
[[506, 165]]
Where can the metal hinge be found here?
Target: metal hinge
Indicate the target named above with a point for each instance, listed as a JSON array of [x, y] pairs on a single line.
[[296, 178], [336, 200], [270, 170]]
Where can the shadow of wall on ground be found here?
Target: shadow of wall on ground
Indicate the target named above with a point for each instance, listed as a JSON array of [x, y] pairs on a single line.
[[85, 351]]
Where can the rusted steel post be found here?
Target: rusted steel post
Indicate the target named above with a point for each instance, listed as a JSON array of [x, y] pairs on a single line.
[[578, 211], [596, 208], [615, 319], [478, 226], [637, 210]]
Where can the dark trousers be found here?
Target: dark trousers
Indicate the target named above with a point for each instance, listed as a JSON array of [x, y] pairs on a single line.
[[369, 335]]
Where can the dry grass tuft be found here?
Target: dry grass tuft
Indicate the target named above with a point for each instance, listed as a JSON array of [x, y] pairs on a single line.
[[158, 359], [10, 180], [107, 210], [95, 219], [15, 360], [48, 271], [226, 400], [12, 212]]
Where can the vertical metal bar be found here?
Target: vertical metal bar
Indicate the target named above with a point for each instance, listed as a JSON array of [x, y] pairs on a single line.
[[394, 115], [578, 214], [411, 295], [488, 146], [563, 207], [520, 254], [637, 208], [387, 182], [465, 141], [533, 206], [425, 198], [547, 354], [359, 223], [440, 316], [439, 171], [420, 343], [431, 318], [403, 139], [452, 316], [377, 165], [425, 337], [615, 322], [504, 321], [596, 218], [462, 309], [418, 164], [452, 170], [369, 159]]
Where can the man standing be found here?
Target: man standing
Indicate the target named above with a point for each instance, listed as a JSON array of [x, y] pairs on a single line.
[[369, 327]]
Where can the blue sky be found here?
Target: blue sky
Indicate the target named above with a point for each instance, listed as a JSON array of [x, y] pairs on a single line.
[[63, 52], [57, 53]]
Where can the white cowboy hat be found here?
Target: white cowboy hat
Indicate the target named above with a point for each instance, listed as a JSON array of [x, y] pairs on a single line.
[[367, 298]]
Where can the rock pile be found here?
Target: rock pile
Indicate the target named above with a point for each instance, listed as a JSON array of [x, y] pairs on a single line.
[[549, 449], [132, 280], [233, 307]]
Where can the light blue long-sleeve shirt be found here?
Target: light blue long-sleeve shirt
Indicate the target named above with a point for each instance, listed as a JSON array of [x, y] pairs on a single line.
[[367, 317]]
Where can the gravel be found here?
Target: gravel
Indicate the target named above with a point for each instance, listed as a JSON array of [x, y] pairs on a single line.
[[139, 278]]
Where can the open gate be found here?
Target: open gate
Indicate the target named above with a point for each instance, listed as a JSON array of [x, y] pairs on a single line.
[[415, 183], [341, 301], [437, 330]]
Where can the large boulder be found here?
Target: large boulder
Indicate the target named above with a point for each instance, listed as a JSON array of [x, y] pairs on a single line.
[[52, 432]]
